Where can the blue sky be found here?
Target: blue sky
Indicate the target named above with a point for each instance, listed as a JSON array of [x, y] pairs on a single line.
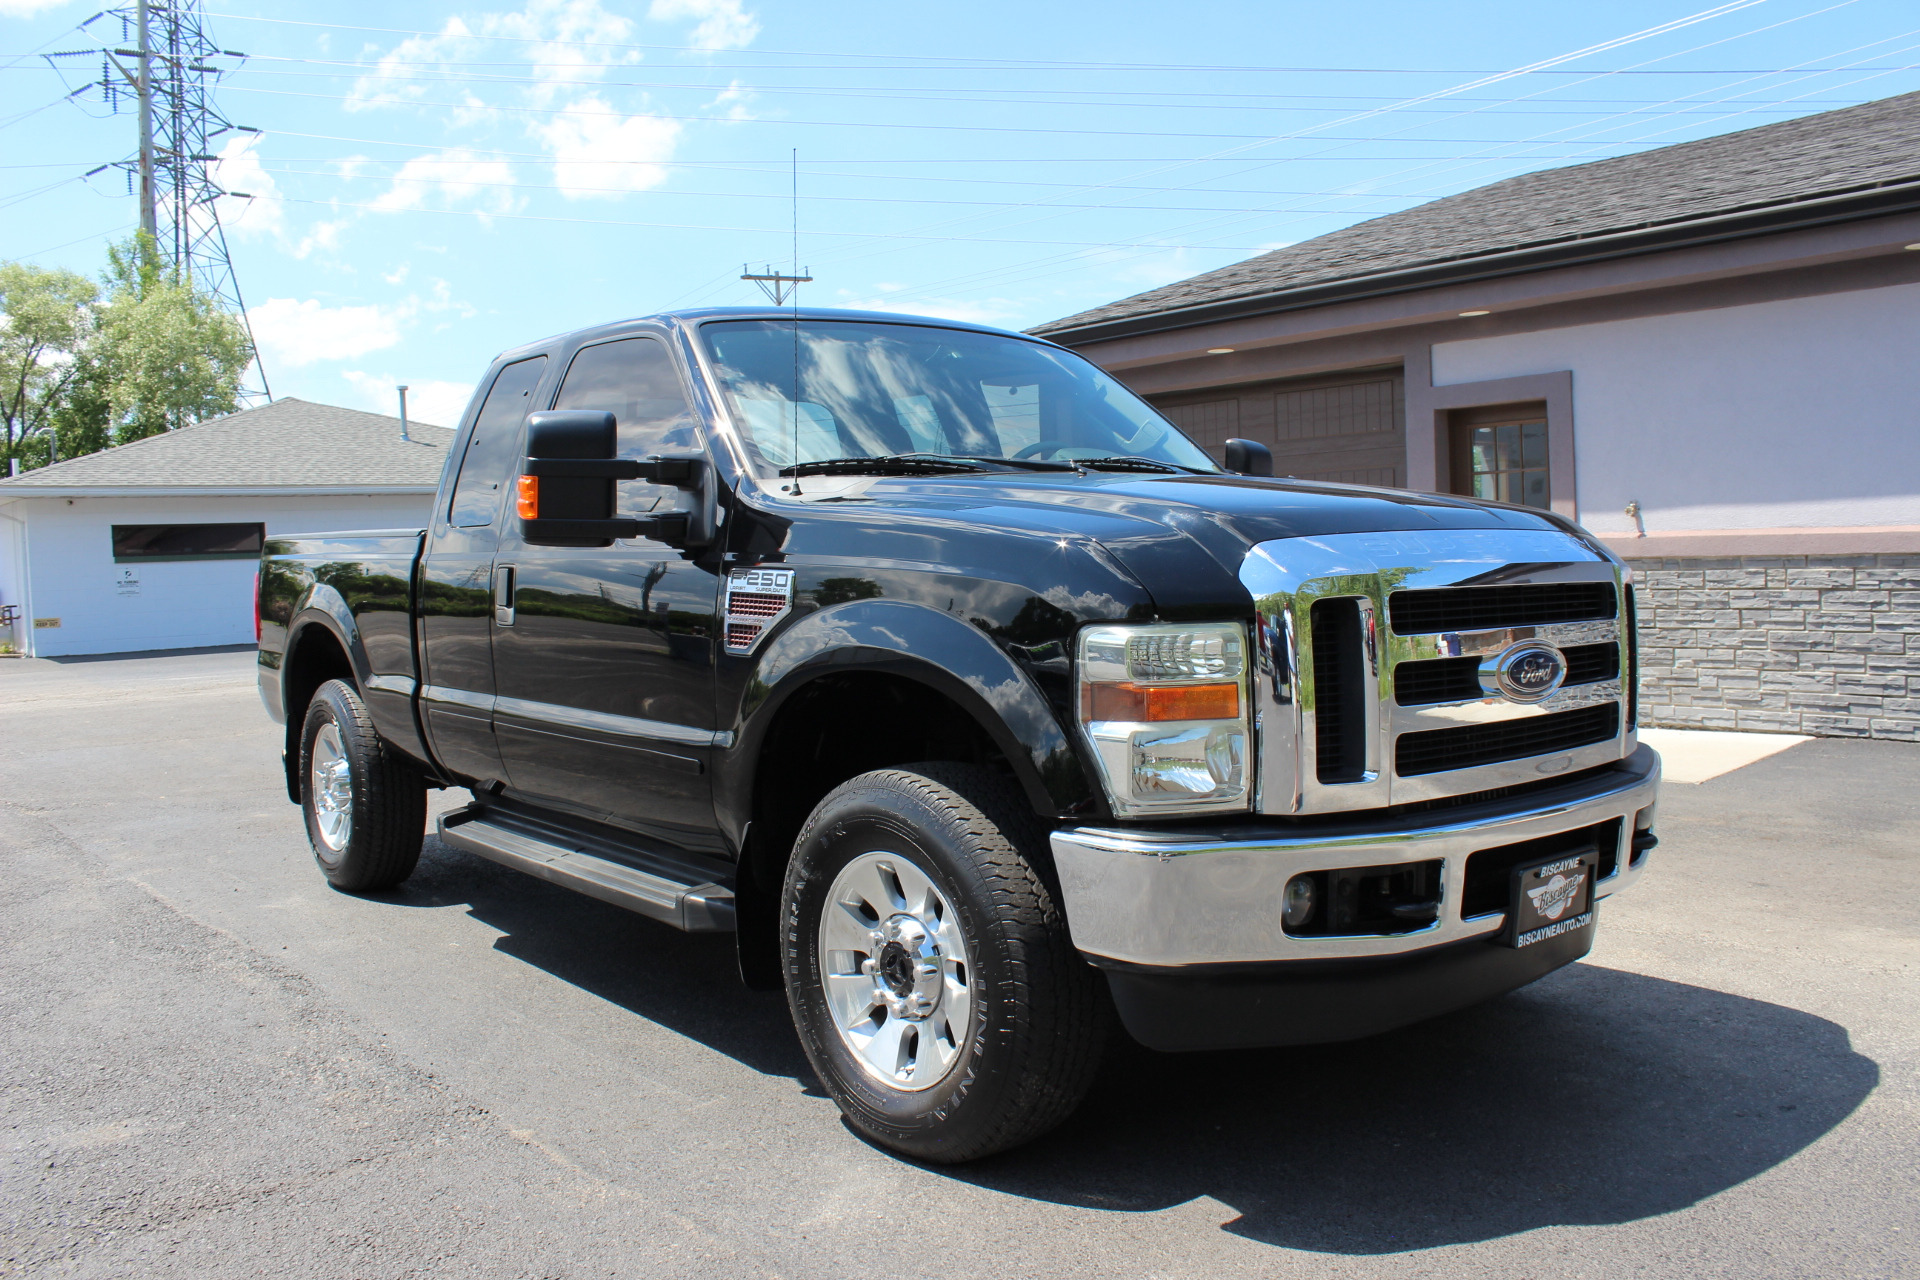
[[435, 183]]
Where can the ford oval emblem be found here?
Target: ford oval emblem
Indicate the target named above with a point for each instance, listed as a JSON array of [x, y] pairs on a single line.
[[1529, 672]]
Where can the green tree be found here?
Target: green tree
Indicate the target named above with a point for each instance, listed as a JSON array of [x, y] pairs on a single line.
[[47, 322], [168, 354]]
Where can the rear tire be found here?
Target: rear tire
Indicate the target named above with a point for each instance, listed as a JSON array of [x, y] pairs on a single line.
[[364, 803], [928, 968]]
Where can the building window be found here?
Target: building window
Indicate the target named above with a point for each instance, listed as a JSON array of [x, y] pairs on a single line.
[[1501, 454], [187, 541]]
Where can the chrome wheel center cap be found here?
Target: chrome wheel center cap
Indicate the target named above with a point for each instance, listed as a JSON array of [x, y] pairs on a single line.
[[906, 968]]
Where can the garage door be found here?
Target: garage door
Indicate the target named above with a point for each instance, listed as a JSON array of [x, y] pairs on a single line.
[[1350, 428]]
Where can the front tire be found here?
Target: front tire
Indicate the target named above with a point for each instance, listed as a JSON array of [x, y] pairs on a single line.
[[365, 804], [928, 968]]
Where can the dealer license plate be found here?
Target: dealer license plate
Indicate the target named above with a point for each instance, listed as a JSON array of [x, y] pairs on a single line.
[[1552, 897]]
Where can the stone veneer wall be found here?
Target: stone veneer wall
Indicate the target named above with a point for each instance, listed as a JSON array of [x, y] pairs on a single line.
[[1824, 645]]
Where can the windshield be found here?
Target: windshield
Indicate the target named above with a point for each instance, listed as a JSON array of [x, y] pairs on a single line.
[[874, 390]]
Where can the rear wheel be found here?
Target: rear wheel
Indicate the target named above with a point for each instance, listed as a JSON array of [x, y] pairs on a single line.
[[365, 804], [929, 971]]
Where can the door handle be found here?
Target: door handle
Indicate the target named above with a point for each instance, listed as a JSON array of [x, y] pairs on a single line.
[[503, 595]]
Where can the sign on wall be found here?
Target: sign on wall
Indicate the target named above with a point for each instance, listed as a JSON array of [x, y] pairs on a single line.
[[127, 582]]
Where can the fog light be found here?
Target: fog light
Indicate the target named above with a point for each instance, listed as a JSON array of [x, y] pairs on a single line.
[[1300, 902]]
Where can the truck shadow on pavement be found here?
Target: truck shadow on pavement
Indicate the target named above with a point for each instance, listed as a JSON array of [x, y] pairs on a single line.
[[687, 982], [1595, 1096]]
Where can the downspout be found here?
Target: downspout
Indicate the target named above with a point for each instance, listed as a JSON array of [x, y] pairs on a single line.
[[26, 586]]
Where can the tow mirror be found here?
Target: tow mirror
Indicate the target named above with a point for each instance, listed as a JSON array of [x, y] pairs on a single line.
[[1248, 458], [565, 495]]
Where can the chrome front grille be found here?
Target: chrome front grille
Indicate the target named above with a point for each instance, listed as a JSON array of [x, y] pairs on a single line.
[[1377, 658]]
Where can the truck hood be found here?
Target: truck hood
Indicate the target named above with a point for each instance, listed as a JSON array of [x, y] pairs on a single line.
[[1182, 537]]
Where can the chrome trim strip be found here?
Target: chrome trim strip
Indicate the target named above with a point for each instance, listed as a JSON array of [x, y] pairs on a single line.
[[1171, 899], [402, 685], [552, 715], [458, 699], [1448, 715]]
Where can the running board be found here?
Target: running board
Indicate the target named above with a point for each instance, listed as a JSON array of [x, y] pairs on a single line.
[[697, 908]]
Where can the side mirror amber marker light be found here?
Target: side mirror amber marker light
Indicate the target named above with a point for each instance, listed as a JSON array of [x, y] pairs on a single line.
[[529, 497]]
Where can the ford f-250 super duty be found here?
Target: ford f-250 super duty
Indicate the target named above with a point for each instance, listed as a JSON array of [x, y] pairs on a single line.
[[976, 700]]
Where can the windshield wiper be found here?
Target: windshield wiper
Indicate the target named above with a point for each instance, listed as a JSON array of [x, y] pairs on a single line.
[[885, 464], [1029, 464], [1134, 462]]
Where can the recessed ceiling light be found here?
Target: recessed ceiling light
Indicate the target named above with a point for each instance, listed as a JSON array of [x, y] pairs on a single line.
[[1475, 313], [1219, 351]]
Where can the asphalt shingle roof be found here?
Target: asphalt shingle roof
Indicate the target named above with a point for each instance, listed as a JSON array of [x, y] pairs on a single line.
[[1854, 148], [290, 444]]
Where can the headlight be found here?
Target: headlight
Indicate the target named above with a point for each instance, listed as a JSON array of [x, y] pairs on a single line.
[[1165, 710]]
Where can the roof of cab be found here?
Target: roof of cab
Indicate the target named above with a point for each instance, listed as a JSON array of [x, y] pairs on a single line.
[[701, 315]]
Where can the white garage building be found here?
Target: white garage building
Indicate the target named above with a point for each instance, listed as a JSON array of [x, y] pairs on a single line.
[[154, 544]]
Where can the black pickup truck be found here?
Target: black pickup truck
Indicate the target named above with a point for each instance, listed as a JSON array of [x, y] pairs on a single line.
[[977, 701]]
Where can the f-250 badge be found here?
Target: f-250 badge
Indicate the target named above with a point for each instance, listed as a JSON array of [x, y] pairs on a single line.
[[756, 599]]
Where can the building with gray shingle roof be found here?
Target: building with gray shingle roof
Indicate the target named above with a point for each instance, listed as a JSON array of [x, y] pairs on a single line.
[[287, 445], [1708, 353], [153, 544], [1835, 165]]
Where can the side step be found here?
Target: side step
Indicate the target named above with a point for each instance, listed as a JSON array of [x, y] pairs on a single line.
[[570, 862]]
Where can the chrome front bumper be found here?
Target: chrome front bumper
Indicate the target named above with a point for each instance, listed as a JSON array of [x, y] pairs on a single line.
[[1169, 899]]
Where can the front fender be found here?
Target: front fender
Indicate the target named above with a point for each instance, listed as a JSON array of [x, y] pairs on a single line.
[[931, 647]]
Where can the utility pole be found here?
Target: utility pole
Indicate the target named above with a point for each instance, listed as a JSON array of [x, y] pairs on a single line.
[[149, 217], [165, 65]]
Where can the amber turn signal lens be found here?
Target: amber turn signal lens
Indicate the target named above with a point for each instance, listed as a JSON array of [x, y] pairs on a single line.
[[529, 489], [1147, 702]]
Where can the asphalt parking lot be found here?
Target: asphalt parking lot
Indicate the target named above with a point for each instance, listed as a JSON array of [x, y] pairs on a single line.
[[213, 1065]]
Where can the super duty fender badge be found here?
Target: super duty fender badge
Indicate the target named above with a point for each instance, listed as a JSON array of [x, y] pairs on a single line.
[[756, 600]]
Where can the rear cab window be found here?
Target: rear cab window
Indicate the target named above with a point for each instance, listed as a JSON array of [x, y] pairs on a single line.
[[494, 445]]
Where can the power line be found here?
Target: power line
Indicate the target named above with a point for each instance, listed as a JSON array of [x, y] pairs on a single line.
[[710, 226], [1435, 95], [767, 195], [468, 107], [922, 61], [1145, 246]]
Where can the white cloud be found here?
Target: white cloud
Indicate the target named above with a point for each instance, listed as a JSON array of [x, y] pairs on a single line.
[[438, 404], [323, 237], [722, 24], [297, 332], [565, 39], [26, 8], [732, 102], [239, 169], [597, 152], [454, 175]]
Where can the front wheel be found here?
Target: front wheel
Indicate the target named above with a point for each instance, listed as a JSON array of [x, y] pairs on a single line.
[[365, 804], [929, 971]]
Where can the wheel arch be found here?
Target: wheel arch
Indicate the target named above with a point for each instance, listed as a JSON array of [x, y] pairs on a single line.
[[874, 684]]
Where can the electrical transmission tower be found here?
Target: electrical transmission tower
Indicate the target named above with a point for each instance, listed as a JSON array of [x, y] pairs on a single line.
[[164, 70]]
